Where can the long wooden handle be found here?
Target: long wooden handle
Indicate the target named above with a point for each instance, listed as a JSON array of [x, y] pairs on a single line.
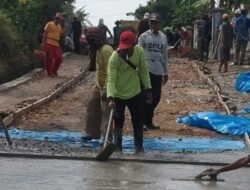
[[108, 128], [6, 132], [247, 140]]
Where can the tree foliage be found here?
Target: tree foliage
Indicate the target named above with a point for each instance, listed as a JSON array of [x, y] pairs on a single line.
[[173, 13], [7, 37], [185, 12], [28, 16], [20, 22]]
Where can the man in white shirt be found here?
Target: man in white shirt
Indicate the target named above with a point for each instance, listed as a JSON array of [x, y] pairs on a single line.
[[155, 45]]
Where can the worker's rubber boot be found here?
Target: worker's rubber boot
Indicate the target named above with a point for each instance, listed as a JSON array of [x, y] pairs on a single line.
[[138, 140], [117, 138]]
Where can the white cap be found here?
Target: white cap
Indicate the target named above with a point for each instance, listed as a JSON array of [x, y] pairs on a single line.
[[237, 12], [146, 15]]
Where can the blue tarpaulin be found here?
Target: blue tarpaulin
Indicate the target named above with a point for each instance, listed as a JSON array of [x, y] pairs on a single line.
[[225, 124], [243, 82], [246, 109], [159, 144]]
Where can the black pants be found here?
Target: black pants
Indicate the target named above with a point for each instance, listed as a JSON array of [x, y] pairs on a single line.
[[76, 39], [203, 48], [134, 105], [156, 83], [92, 57]]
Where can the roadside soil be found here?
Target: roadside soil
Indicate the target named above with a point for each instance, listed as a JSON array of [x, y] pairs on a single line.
[[40, 86], [235, 100], [184, 93]]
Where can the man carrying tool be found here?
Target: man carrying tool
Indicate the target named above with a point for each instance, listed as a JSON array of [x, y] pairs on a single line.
[[125, 69], [155, 45], [233, 166], [98, 112], [51, 46]]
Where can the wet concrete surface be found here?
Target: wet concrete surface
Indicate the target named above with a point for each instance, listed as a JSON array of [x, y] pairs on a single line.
[[149, 172], [44, 149], [38, 174]]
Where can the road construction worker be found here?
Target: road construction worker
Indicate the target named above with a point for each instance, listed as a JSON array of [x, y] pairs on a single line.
[[116, 32], [237, 14], [233, 166], [104, 27], [125, 70], [155, 45], [226, 42], [242, 26], [204, 37], [97, 109], [143, 25], [76, 28], [51, 46]]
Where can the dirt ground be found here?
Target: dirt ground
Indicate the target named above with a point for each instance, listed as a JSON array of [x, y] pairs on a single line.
[[227, 83], [40, 86], [185, 92]]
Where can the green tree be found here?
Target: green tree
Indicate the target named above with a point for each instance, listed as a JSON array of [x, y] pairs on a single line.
[[174, 13], [185, 12], [30, 15], [20, 21]]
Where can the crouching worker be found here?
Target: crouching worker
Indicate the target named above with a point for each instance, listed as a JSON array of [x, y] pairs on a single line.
[[125, 70], [233, 166], [97, 109]]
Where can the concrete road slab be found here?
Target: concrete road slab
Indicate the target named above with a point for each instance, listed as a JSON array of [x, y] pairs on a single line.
[[38, 174]]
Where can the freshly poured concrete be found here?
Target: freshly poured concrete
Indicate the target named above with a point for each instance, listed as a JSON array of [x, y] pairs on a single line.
[[38, 174]]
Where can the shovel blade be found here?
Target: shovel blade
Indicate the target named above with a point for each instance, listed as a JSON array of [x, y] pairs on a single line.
[[105, 153]]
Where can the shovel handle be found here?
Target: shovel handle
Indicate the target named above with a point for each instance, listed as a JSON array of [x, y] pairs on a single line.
[[5, 132], [108, 128]]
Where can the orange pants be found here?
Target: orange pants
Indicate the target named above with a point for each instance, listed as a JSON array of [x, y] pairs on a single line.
[[54, 58]]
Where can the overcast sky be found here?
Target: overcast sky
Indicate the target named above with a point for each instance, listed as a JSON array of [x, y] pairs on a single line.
[[109, 10]]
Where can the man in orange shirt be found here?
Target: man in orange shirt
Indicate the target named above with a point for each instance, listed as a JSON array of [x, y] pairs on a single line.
[[50, 43]]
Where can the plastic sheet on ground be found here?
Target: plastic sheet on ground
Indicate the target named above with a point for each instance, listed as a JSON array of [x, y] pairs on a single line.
[[225, 124], [245, 112], [246, 109], [158, 144], [243, 82]]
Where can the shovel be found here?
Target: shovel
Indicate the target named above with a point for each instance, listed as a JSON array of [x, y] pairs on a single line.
[[5, 132], [108, 147], [173, 46]]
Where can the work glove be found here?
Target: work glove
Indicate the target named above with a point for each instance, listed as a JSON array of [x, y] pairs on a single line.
[[149, 97], [164, 79]]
